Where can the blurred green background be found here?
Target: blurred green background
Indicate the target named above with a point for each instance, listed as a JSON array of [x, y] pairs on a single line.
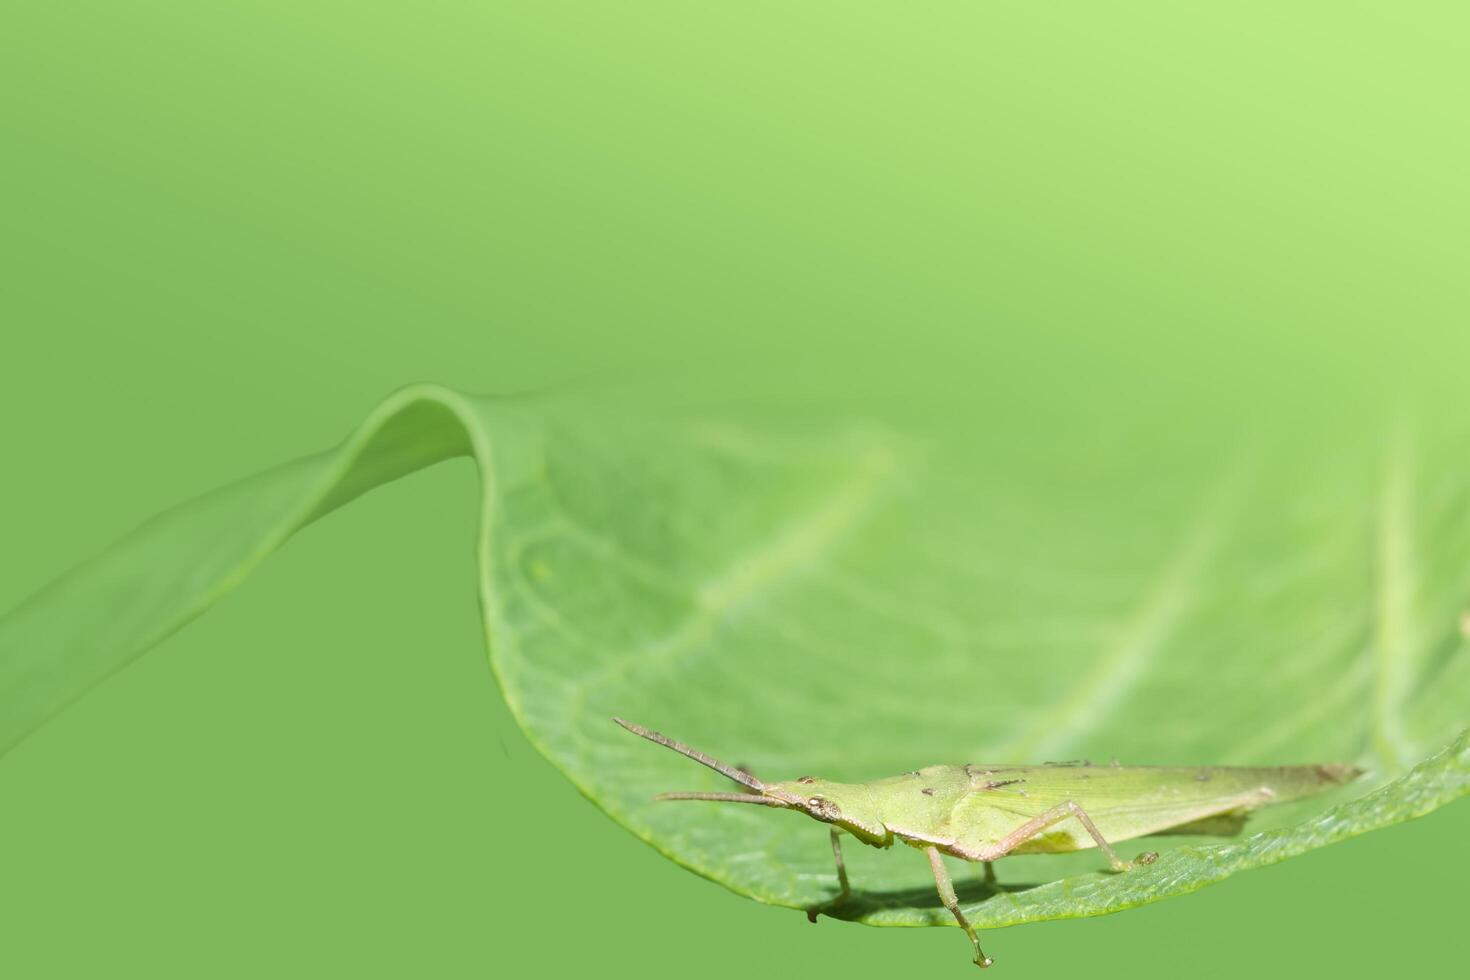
[[229, 228]]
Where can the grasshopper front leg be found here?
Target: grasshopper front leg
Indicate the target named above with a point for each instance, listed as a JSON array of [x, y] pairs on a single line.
[[816, 910]]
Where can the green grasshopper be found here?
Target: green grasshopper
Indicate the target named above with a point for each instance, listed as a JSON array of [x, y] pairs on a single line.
[[984, 813]]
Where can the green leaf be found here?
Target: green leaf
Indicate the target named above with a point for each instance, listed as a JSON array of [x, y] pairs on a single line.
[[855, 601]]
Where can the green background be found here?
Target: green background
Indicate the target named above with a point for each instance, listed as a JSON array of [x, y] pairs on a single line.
[[229, 228]]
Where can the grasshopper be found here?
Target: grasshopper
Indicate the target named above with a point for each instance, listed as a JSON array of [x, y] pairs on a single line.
[[984, 813]]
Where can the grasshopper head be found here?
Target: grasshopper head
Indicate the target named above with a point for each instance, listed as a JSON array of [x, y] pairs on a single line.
[[841, 804], [844, 805]]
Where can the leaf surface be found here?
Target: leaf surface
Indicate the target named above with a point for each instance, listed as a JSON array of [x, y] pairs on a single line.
[[854, 601]]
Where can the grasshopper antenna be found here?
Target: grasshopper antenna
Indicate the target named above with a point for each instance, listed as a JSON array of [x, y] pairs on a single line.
[[724, 798], [740, 776]]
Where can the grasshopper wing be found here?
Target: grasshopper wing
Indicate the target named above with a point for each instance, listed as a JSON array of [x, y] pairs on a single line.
[[1123, 801]]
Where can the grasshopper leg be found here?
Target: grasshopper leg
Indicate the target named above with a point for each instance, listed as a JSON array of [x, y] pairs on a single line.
[[951, 902], [1050, 818], [814, 911], [990, 874]]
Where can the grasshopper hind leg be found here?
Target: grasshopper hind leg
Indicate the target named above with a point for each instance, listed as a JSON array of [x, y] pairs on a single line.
[[1043, 821], [951, 902]]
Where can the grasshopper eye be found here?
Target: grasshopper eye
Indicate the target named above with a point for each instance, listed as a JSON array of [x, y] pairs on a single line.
[[823, 809]]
